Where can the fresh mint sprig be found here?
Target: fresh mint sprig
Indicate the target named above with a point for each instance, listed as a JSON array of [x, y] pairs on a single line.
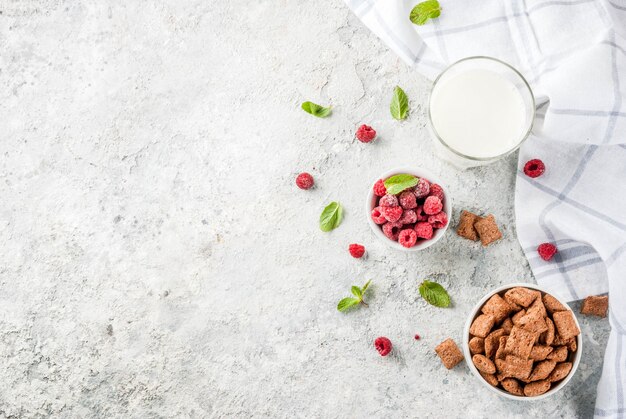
[[331, 216], [397, 183], [316, 110], [434, 294], [424, 11], [399, 106], [348, 302]]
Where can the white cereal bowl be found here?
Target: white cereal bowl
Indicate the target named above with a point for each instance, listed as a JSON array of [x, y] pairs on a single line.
[[468, 356], [419, 172]]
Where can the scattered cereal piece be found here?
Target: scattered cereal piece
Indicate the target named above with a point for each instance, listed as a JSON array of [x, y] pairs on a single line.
[[490, 378], [512, 386], [488, 230], [595, 305], [533, 321], [558, 354], [514, 367], [517, 316], [540, 352], [548, 336], [356, 250], [482, 325], [546, 251], [534, 168], [572, 345], [449, 353], [501, 353], [432, 205], [407, 200], [484, 364], [379, 188], [497, 307], [542, 370], [536, 388], [466, 225], [304, 181], [507, 325], [477, 345], [492, 341], [560, 371], [383, 345], [365, 133], [520, 342], [552, 304], [565, 324], [520, 296]]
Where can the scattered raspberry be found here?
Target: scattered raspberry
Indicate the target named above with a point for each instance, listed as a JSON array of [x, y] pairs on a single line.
[[417, 337], [432, 205], [422, 188], [383, 346], [304, 181], [392, 214], [546, 251], [420, 214], [377, 216], [407, 200], [408, 217], [392, 230], [388, 201], [407, 237], [439, 220], [356, 250], [534, 168], [365, 133], [379, 188], [436, 190], [424, 230]]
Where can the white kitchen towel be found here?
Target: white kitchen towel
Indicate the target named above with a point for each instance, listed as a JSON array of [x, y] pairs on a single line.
[[573, 53]]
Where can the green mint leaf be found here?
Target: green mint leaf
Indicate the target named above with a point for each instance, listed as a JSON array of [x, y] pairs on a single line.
[[434, 294], [316, 110], [399, 104], [397, 183], [357, 292], [330, 218], [425, 10], [346, 303], [366, 286]]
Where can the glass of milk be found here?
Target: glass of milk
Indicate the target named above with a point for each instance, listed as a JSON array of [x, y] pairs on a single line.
[[481, 109]]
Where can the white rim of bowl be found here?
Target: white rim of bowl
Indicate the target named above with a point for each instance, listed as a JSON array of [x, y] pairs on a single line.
[[472, 367], [419, 172]]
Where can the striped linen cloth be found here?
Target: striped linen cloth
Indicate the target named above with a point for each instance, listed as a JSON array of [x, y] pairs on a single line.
[[573, 53]]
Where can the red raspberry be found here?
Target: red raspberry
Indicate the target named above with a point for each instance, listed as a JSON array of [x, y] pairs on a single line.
[[377, 216], [438, 220], [407, 200], [365, 133], [392, 230], [379, 188], [383, 346], [534, 168], [304, 181], [356, 250], [432, 205], [424, 230], [388, 201], [392, 214], [546, 251], [408, 217], [417, 337], [436, 190], [422, 188], [420, 214], [407, 237]]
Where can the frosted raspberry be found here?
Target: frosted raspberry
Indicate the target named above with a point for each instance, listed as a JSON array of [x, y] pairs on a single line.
[[534, 168], [439, 220], [392, 214], [388, 201], [356, 250], [432, 205], [378, 217], [379, 188], [304, 181], [407, 237], [547, 251], [407, 200], [422, 188], [392, 230], [419, 211], [365, 133], [424, 230], [436, 190], [383, 346], [408, 217]]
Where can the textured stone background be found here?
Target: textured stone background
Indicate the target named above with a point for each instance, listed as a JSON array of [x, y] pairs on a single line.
[[156, 258]]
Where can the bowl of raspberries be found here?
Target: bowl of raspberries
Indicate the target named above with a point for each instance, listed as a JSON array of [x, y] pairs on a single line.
[[408, 208]]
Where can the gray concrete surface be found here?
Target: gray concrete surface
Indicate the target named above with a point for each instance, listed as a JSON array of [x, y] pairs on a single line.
[[157, 260]]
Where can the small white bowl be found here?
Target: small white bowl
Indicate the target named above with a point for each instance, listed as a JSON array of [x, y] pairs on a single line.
[[499, 391], [419, 172]]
